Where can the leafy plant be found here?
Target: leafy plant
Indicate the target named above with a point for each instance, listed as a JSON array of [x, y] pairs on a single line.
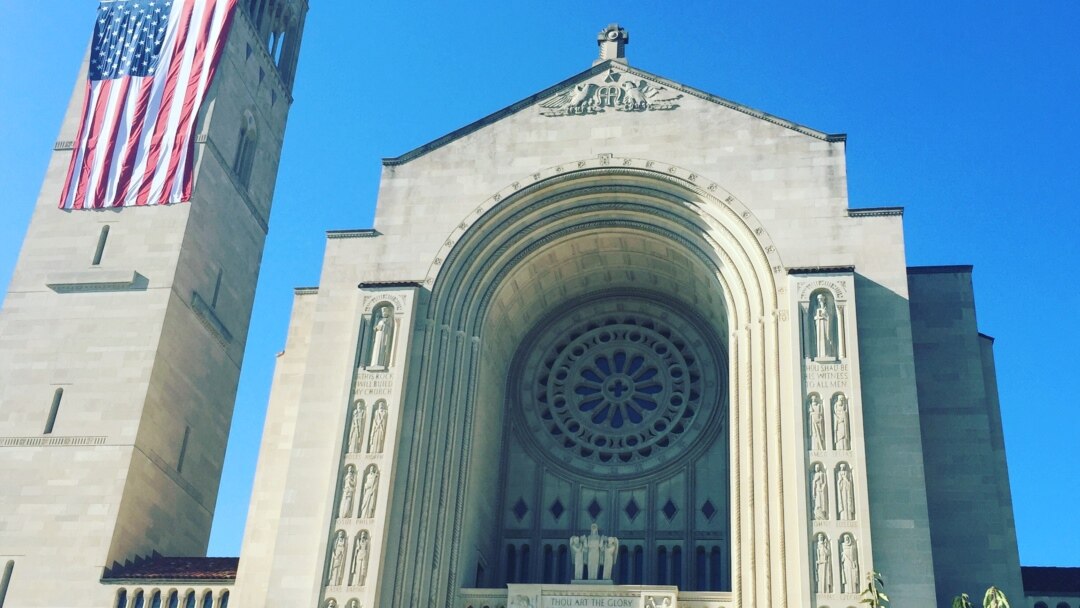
[[962, 601], [874, 594], [995, 598]]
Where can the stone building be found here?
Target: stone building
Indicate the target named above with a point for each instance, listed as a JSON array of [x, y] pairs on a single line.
[[623, 332]]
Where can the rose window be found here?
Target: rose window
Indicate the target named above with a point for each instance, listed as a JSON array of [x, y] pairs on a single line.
[[619, 393]]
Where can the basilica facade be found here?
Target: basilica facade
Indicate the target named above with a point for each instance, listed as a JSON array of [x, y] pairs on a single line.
[[623, 343]]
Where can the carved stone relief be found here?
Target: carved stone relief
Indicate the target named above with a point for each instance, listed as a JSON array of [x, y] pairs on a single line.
[[652, 601], [823, 582], [361, 553], [353, 603], [331, 603], [841, 423], [816, 413], [382, 338], [369, 492], [618, 92], [521, 601], [845, 492], [819, 492], [356, 428], [378, 429], [337, 559], [849, 564], [348, 491]]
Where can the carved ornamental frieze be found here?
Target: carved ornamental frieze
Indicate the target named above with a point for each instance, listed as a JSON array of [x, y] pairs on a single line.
[[618, 92]]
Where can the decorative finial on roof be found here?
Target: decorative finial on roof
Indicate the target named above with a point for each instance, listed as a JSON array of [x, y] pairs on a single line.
[[612, 41]]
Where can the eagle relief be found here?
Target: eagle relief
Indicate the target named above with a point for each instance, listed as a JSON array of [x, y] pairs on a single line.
[[626, 96]]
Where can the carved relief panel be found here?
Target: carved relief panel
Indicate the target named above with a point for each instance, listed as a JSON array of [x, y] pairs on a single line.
[[370, 422], [836, 511]]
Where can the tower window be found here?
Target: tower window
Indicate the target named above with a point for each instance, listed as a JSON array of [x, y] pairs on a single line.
[[58, 395], [100, 250], [5, 580], [183, 449], [217, 290], [244, 159]]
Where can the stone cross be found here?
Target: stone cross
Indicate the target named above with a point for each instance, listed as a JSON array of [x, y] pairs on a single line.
[[612, 41]]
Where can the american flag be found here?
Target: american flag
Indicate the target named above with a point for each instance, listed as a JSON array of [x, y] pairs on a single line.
[[151, 63]]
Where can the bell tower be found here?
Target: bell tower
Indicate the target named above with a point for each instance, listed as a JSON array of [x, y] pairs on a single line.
[[123, 332]]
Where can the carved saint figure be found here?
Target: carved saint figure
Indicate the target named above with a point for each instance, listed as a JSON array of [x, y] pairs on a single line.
[[817, 423], [348, 490], [593, 543], [650, 602], [841, 427], [822, 564], [367, 495], [821, 328], [820, 492], [845, 492], [353, 603], [577, 555], [356, 428], [521, 601], [611, 553], [361, 551], [383, 339], [337, 559], [378, 430], [849, 565], [331, 603]]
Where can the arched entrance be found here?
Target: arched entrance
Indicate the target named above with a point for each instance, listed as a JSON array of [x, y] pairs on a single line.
[[599, 273]]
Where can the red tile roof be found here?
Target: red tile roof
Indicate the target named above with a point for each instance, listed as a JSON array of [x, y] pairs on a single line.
[[157, 567]]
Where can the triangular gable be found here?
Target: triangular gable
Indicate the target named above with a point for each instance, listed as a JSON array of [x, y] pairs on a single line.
[[574, 95]]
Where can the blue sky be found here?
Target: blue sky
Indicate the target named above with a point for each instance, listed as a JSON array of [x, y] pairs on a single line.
[[962, 112]]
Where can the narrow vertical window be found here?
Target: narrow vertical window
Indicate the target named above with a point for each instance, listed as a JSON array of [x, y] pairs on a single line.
[[208, 600], [100, 250], [174, 599], [245, 148], [121, 598], [223, 601], [5, 581], [217, 289], [183, 449], [57, 396]]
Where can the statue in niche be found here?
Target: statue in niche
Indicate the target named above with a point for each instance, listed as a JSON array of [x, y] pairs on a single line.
[[361, 552], [849, 565], [367, 494], [356, 428], [348, 491], [821, 329], [378, 430], [521, 601], [845, 492], [820, 492], [353, 603], [841, 426], [331, 603], [577, 555], [822, 564], [383, 339], [611, 553], [337, 559], [817, 422]]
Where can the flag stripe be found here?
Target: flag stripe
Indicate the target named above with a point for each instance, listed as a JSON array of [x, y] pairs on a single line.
[[151, 64]]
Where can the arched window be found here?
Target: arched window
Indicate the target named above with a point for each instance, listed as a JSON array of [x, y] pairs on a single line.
[[155, 599], [676, 566], [548, 574], [1063, 605], [140, 601], [511, 564], [662, 566], [174, 599], [701, 569], [208, 599], [244, 159], [223, 601], [524, 576], [1041, 605], [121, 598], [563, 575], [189, 600]]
